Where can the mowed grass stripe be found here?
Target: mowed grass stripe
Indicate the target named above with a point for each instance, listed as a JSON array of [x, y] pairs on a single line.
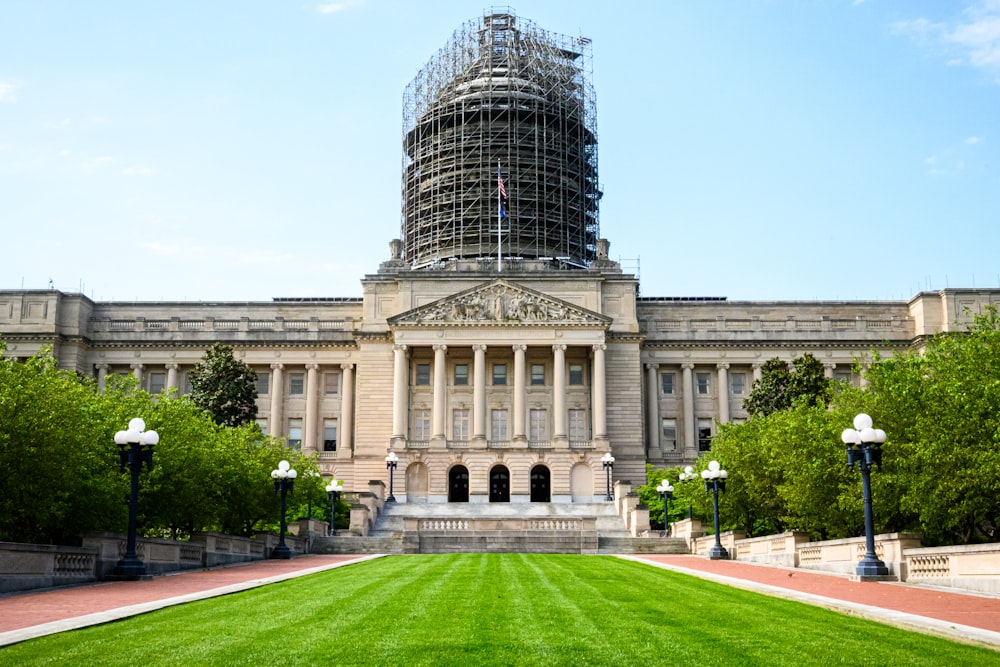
[[495, 609]]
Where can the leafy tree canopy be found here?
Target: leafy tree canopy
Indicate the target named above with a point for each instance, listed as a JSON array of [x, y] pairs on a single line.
[[224, 387], [780, 387]]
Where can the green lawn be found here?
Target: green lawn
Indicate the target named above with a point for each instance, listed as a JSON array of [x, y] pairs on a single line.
[[495, 609]]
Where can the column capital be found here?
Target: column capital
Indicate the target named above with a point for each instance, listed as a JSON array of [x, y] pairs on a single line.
[[171, 366], [599, 347], [520, 347], [277, 367], [652, 367], [687, 366], [312, 367], [757, 364], [399, 347], [346, 367], [829, 364], [722, 366], [137, 367], [559, 347], [103, 367], [478, 348], [440, 347]]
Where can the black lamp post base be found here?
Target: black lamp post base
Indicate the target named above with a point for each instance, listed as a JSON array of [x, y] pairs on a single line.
[[281, 552], [872, 570], [129, 570], [718, 552], [390, 499]]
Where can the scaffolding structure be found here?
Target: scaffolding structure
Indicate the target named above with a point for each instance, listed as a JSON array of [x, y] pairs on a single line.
[[502, 92]]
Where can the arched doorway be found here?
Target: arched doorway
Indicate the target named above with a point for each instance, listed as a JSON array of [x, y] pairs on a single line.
[[499, 484], [581, 483], [458, 485], [540, 485], [416, 483]]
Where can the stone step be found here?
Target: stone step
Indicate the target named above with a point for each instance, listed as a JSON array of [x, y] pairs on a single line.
[[641, 545]]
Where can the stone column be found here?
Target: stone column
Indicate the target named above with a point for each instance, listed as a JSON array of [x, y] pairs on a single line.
[[723, 380], [757, 373], [345, 437], [687, 381], [102, 377], [653, 408], [440, 375], [399, 385], [600, 395], [520, 392], [312, 407], [828, 368], [137, 372], [479, 392], [171, 376], [559, 392], [277, 399]]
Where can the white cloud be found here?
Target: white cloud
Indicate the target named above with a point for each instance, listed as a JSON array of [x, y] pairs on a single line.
[[972, 141], [65, 153], [973, 38], [138, 170], [334, 7], [8, 90]]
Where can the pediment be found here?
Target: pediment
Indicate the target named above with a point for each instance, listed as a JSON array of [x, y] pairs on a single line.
[[502, 303]]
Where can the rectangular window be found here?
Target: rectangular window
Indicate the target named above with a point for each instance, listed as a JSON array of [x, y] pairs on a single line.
[[704, 435], [461, 375], [668, 435], [536, 425], [842, 376], [263, 383], [667, 383], [738, 381], [262, 423], [460, 425], [331, 382], [423, 374], [576, 374], [421, 425], [498, 425], [702, 380], [295, 434], [157, 382], [329, 435], [499, 374], [296, 384], [578, 425], [538, 374]]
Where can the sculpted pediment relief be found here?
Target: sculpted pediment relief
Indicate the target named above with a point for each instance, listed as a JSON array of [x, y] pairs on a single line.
[[500, 302]]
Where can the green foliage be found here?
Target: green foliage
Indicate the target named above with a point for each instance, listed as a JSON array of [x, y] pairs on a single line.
[[61, 473], [779, 388], [225, 387], [496, 609]]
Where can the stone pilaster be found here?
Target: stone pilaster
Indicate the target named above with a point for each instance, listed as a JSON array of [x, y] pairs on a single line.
[[346, 435], [312, 408], [600, 394], [559, 392], [479, 392], [440, 376], [723, 391], [171, 376], [687, 384], [399, 397], [277, 400], [652, 409], [520, 392]]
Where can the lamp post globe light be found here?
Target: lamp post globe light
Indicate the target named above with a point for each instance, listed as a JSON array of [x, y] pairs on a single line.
[[608, 461], [666, 492], [135, 447], [333, 491], [864, 448], [391, 460], [715, 481], [284, 483]]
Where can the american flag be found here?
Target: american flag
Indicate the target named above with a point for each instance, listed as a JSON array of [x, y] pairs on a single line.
[[503, 190]]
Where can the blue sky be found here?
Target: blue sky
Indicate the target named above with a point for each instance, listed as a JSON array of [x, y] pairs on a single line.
[[753, 149]]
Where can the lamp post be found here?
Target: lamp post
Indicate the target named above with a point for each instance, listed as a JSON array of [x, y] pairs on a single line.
[[864, 447], [715, 480], [135, 447], [666, 495], [390, 462], [687, 475], [609, 463], [333, 491], [284, 483]]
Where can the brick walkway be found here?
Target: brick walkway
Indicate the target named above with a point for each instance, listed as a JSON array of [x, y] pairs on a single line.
[[958, 616]]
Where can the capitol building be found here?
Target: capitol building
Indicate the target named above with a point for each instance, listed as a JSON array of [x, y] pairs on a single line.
[[497, 350]]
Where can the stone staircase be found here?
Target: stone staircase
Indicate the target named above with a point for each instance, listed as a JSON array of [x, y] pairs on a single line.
[[585, 528]]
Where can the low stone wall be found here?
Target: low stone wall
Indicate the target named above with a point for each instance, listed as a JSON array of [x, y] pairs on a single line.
[[506, 535], [731, 540], [28, 566], [780, 550], [973, 567], [842, 556]]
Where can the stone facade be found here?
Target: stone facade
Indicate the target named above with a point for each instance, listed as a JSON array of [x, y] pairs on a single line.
[[496, 385]]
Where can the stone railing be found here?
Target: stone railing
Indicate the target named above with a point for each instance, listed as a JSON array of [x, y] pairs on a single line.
[[567, 524], [28, 566], [731, 539], [782, 550], [974, 567], [842, 556], [788, 324]]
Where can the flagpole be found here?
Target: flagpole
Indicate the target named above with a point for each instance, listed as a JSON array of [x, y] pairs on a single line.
[[499, 223]]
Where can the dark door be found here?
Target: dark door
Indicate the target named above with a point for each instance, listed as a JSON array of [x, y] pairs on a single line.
[[499, 485], [540, 492], [458, 485]]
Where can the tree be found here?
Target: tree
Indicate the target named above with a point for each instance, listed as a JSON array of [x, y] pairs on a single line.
[[780, 387], [224, 387]]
